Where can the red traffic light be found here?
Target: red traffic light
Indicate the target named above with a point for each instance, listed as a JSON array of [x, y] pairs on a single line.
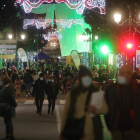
[[129, 45]]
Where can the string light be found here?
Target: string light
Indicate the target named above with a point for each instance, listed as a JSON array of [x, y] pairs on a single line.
[[78, 5], [37, 22], [65, 23]]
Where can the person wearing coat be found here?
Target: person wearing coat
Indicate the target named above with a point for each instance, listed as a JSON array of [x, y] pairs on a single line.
[[40, 87], [7, 97], [75, 108], [123, 100], [52, 93]]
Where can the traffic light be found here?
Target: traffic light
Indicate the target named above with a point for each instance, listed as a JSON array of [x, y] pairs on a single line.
[[105, 50], [129, 45]]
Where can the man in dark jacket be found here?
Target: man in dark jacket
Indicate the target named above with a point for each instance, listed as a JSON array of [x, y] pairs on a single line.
[[123, 99], [40, 87], [28, 79]]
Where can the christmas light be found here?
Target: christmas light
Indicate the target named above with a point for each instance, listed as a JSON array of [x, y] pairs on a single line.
[[67, 23], [50, 36], [28, 5], [78, 5], [37, 22]]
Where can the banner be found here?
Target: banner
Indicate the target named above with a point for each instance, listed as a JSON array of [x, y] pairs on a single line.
[[76, 58]]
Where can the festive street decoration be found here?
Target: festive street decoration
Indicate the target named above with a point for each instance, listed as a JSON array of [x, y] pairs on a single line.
[[37, 22], [78, 5], [67, 23], [76, 58], [50, 36], [64, 23], [28, 5], [22, 55]]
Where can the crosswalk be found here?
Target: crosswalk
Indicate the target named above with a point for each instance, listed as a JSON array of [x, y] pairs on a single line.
[[32, 101]]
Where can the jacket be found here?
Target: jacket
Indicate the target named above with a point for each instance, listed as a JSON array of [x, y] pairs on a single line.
[[53, 90], [111, 97], [40, 87], [75, 107], [27, 78], [7, 95]]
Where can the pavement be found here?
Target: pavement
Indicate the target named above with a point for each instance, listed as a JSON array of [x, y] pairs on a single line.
[[30, 126]]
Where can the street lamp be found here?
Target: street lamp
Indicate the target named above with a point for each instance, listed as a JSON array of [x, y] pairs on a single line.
[[117, 18], [96, 37], [84, 37], [22, 36], [10, 36]]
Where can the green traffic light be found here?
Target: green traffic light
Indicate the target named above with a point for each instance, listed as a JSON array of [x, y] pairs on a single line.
[[105, 50]]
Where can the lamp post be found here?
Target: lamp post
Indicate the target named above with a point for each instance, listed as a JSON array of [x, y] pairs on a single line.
[[131, 24]]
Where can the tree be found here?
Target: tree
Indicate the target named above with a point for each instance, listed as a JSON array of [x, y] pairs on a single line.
[[104, 25]]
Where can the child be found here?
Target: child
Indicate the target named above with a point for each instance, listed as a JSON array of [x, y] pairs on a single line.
[[18, 85]]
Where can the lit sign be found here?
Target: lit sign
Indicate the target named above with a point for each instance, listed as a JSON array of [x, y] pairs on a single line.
[[37, 22], [78, 5]]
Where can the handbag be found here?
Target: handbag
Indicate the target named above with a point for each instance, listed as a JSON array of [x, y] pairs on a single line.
[[4, 107], [74, 128]]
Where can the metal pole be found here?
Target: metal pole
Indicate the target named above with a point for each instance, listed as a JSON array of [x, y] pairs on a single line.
[[37, 51]]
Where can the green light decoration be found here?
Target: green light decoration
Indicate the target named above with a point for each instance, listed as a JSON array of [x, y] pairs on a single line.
[[105, 50]]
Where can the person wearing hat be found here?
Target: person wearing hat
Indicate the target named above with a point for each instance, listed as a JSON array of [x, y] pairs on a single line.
[[123, 99], [78, 106], [7, 105]]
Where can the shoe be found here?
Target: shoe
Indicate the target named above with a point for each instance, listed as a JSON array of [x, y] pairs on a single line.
[[52, 113], [9, 138], [40, 113]]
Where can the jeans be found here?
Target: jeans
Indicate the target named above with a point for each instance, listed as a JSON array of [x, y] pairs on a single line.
[[51, 103], [9, 126], [39, 102], [27, 86]]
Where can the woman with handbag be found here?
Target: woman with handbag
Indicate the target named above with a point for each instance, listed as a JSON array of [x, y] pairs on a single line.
[[77, 123], [7, 105]]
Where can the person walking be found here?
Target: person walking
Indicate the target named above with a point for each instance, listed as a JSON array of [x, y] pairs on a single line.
[[52, 93], [18, 85], [77, 123], [14, 76], [123, 99], [40, 87], [28, 80], [7, 105]]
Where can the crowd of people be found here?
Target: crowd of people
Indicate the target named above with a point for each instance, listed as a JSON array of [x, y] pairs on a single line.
[[120, 105]]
